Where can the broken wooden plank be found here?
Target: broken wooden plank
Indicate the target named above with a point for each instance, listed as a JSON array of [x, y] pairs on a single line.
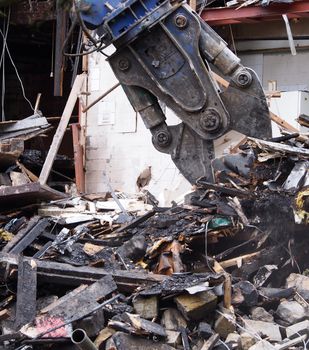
[[280, 147], [26, 292], [22, 232], [76, 89], [66, 274], [222, 189], [24, 135], [32, 122], [30, 237], [18, 196], [27, 172], [281, 122], [239, 260], [81, 301], [135, 222]]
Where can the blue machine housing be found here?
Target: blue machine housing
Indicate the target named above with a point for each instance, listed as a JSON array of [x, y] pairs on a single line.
[[118, 19]]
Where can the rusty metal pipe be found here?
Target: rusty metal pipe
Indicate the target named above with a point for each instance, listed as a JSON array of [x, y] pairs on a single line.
[[100, 97], [80, 338]]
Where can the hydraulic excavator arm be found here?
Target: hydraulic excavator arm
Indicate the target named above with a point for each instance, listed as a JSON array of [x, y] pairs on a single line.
[[164, 51]]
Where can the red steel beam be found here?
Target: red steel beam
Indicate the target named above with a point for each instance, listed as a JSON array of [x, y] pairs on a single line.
[[227, 15]]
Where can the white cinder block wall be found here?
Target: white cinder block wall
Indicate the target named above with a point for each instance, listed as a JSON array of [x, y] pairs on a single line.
[[118, 143]]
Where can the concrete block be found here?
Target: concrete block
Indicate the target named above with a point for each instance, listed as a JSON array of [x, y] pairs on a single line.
[[224, 325], [146, 307], [247, 340], [260, 314], [268, 329], [197, 306], [173, 320], [233, 339], [300, 282], [291, 312]]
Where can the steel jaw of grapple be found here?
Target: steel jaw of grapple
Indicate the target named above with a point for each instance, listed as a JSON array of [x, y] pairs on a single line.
[[168, 62]]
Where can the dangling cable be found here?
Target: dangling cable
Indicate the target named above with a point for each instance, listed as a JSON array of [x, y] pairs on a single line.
[[2, 61], [81, 22], [16, 71]]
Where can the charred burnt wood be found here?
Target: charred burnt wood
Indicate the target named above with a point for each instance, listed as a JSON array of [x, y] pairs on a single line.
[[137, 221], [32, 222], [65, 274], [42, 251], [272, 256], [15, 225], [28, 237], [222, 189], [73, 305], [285, 137], [26, 292]]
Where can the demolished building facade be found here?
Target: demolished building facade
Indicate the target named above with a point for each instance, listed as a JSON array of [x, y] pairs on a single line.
[[86, 265]]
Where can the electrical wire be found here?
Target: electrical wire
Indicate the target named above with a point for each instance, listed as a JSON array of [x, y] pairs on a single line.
[[6, 30], [15, 68], [233, 41], [2, 60], [77, 59], [85, 53], [81, 22], [79, 54], [224, 344]]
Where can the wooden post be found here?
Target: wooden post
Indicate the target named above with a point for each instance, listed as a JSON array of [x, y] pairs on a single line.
[[78, 158], [227, 300], [61, 21], [64, 121]]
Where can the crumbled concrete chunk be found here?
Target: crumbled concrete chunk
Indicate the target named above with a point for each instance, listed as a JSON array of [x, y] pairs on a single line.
[[146, 307], [260, 314], [195, 307], [291, 312], [266, 329]]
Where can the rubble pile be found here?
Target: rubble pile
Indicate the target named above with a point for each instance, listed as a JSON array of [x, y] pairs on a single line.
[[21, 160], [229, 270]]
